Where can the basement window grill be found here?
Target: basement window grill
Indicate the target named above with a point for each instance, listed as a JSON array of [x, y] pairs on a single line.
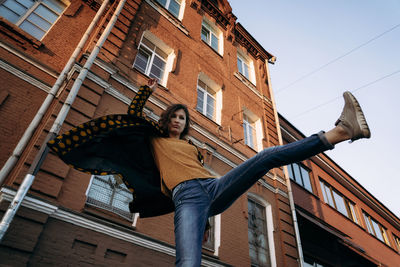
[[106, 192]]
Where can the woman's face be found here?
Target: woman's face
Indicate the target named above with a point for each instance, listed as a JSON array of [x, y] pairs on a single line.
[[177, 123]]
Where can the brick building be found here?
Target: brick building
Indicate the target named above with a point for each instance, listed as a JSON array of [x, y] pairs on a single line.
[[203, 58], [340, 222]]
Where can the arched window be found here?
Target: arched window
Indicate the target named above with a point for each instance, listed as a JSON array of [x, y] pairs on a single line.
[[260, 232]]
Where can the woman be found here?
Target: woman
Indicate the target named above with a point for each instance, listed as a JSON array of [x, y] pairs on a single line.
[[195, 193]]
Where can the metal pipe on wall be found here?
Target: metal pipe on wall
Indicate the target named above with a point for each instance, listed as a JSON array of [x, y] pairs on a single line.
[[12, 160], [30, 176], [288, 184]]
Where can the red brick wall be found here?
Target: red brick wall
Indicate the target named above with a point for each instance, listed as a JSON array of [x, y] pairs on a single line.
[[66, 187]]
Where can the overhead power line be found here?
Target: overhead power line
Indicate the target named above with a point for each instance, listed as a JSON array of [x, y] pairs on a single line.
[[336, 59], [336, 98]]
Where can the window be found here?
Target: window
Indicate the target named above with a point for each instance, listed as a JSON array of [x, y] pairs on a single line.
[[397, 242], [246, 67], [249, 131], [300, 175], [375, 229], [209, 98], [34, 17], [214, 235], [257, 234], [151, 60], [106, 193], [205, 100], [154, 58], [173, 6], [209, 244], [252, 130], [212, 36], [334, 199]]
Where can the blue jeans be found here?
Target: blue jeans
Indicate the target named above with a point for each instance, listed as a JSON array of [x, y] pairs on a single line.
[[196, 200]]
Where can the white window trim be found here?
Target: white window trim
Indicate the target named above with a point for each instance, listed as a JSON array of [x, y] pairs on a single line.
[[207, 94], [33, 7], [165, 48], [250, 63], [181, 7], [217, 96], [257, 127], [217, 234], [213, 28], [168, 16], [270, 225]]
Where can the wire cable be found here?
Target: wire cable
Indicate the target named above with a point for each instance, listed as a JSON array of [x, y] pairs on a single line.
[[336, 59], [336, 98]]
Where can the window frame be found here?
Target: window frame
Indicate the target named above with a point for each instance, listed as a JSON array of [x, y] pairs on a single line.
[[370, 223], [396, 240], [160, 46], [213, 31], [302, 169], [214, 91], [63, 5], [269, 225], [246, 61], [215, 234], [332, 197], [168, 4], [96, 202], [208, 93], [254, 123], [249, 132]]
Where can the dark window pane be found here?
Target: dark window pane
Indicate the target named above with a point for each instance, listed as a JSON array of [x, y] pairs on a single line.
[[9, 14], [157, 69], [204, 34], [174, 8], [39, 22], [214, 42], [297, 174], [162, 2], [56, 6], [257, 234], [306, 179], [340, 205], [32, 29], [290, 170], [246, 71], [210, 107], [142, 59], [46, 14], [200, 100]]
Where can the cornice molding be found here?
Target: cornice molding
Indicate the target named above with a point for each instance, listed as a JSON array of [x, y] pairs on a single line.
[[244, 38], [222, 19], [22, 56], [23, 76]]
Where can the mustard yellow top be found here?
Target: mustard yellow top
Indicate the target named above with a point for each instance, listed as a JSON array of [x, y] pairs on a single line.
[[177, 161]]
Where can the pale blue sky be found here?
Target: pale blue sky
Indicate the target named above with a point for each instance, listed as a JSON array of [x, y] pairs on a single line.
[[305, 35]]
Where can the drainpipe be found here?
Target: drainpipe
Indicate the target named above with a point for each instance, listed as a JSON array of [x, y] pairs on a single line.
[[288, 184], [37, 162], [12, 160]]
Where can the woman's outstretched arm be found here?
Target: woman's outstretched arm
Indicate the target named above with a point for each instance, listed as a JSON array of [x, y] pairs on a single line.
[[138, 102]]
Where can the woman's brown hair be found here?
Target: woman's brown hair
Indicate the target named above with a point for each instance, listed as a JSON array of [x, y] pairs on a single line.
[[166, 117]]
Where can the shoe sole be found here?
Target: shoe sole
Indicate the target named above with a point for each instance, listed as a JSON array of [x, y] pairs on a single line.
[[362, 122]]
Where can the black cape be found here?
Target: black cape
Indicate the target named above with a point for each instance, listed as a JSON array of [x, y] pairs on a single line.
[[119, 144]]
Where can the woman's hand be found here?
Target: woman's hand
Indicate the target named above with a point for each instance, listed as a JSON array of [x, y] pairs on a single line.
[[153, 84]]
